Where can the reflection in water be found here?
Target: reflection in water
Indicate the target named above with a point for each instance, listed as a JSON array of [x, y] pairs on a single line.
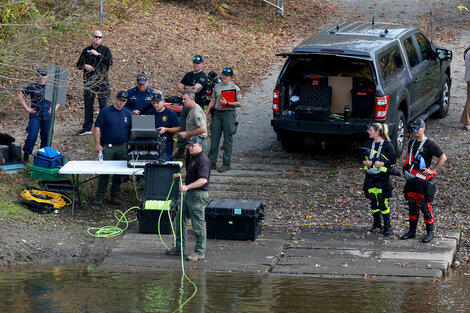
[[78, 289]]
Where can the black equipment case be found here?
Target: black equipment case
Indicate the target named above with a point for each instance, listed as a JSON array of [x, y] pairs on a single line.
[[234, 219], [157, 183]]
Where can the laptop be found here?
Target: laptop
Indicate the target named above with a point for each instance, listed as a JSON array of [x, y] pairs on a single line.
[[144, 126]]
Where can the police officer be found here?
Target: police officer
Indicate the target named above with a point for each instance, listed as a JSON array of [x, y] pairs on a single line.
[[140, 96], [112, 132], [195, 81], [195, 187], [225, 98], [166, 121], [196, 124], [95, 61], [419, 189], [377, 184], [39, 113]]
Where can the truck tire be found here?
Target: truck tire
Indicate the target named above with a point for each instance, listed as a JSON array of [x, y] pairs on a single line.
[[399, 136], [444, 100], [292, 142]]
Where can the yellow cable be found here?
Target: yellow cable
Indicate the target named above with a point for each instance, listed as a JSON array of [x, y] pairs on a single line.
[[54, 198]]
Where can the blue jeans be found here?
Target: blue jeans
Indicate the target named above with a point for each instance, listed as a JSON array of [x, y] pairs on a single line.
[[34, 126]]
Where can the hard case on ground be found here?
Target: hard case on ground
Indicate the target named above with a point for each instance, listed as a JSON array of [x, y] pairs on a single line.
[[234, 219], [38, 172], [157, 182]]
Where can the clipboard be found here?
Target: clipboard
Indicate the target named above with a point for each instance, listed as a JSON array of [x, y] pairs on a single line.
[[229, 96]]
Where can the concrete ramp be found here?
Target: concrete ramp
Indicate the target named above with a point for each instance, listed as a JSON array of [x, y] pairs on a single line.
[[314, 252]]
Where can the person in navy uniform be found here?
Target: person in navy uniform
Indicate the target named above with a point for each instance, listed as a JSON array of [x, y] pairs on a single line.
[[166, 122], [140, 96], [95, 61], [195, 81], [39, 113], [112, 132]]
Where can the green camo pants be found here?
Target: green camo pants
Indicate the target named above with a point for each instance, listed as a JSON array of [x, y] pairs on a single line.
[[116, 152], [194, 203], [223, 122]]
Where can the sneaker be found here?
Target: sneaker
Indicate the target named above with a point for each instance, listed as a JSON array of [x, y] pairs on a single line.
[[180, 153], [213, 166], [115, 201], [174, 251], [224, 168], [84, 132], [195, 256], [466, 127], [98, 203]]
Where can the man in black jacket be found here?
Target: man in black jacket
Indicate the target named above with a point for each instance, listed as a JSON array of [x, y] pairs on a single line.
[[95, 61]]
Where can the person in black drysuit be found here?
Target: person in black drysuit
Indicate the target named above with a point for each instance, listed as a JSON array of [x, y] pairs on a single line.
[[419, 190], [377, 184], [95, 61]]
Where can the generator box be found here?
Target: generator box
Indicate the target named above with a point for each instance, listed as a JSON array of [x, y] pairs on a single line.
[[234, 219], [158, 187]]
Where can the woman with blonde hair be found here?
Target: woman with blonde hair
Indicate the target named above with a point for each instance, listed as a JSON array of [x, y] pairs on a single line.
[[377, 160]]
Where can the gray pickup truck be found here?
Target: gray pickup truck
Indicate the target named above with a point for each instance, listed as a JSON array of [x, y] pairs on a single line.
[[353, 74]]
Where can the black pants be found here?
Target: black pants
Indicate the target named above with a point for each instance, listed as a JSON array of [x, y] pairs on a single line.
[[89, 99]]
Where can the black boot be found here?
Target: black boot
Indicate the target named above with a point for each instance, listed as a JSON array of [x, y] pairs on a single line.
[[387, 226], [377, 223], [429, 233], [25, 158], [412, 231]]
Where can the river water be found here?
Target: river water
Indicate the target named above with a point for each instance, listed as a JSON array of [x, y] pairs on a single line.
[[82, 289]]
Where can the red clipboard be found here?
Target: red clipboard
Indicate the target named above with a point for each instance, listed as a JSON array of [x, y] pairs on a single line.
[[229, 96]]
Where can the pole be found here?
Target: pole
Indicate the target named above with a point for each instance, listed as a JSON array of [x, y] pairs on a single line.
[[75, 6], [54, 102], [101, 12]]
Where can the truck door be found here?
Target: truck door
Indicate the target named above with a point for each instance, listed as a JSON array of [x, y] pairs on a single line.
[[418, 78], [432, 68]]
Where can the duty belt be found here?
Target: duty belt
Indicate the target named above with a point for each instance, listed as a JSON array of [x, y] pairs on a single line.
[[110, 145]]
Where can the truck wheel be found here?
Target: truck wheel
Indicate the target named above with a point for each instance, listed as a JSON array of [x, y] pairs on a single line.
[[399, 136], [444, 101], [292, 143]]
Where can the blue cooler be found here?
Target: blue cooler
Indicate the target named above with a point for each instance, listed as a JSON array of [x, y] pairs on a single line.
[[48, 158]]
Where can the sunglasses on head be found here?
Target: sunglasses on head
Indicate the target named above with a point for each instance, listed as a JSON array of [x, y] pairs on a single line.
[[415, 128], [227, 70], [97, 37], [197, 59]]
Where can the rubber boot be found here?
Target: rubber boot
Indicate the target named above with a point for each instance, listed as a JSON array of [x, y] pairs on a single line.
[[387, 227], [429, 233], [377, 223], [412, 231]]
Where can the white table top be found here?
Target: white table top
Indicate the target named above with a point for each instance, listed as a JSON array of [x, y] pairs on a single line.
[[99, 168]]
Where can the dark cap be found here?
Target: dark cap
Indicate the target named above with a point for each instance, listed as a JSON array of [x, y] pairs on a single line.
[[122, 95], [227, 71], [157, 96], [417, 123], [141, 78], [198, 59], [41, 72], [194, 139]]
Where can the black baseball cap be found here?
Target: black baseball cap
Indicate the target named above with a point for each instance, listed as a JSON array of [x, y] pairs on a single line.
[[198, 59], [122, 95], [141, 78], [417, 123], [157, 96], [194, 139], [227, 71]]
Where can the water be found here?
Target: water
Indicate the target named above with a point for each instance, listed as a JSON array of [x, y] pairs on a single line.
[[80, 289]]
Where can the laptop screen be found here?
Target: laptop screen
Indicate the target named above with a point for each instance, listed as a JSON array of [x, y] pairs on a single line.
[[144, 126]]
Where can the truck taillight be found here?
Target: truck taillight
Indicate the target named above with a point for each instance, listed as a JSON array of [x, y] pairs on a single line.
[[276, 101], [381, 107]]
